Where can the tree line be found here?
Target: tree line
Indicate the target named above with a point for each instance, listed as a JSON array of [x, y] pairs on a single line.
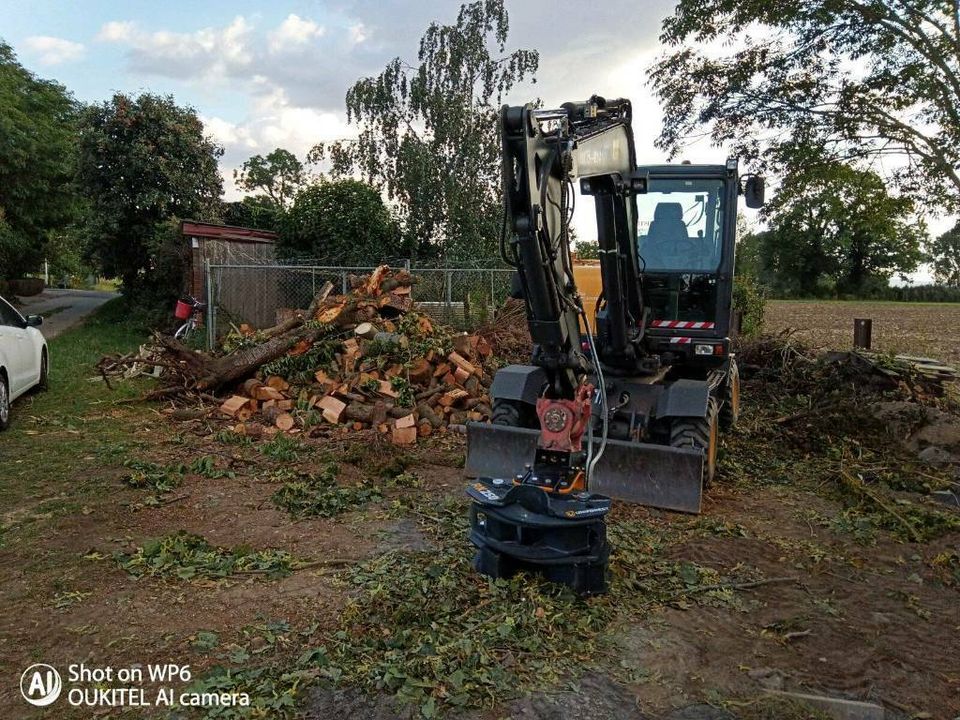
[[103, 186], [848, 106], [851, 105]]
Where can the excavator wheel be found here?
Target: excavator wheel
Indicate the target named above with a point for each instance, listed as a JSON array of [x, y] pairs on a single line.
[[505, 412], [699, 433], [730, 398], [512, 413]]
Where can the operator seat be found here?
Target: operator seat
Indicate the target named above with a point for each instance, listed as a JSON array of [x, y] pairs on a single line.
[[667, 235]]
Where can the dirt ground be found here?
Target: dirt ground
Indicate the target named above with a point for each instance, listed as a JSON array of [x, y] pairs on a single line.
[[784, 582], [927, 329]]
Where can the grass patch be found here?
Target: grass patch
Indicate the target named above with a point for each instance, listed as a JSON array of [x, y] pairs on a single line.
[[187, 557], [77, 416]]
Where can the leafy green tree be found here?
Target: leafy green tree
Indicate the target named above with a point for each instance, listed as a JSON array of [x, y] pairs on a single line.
[[345, 221], [587, 250], [864, 78], [834, 228], [429, 133], [278, 176], [259, 213], [37, 164], [945, 254], [145, 162]]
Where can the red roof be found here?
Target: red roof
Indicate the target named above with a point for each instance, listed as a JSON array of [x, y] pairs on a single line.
[[192, 228]]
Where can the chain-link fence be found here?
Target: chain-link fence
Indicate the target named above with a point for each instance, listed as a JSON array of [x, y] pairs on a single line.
[[260, 295]]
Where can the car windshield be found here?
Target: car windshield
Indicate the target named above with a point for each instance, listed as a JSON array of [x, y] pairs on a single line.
[[680, 225]]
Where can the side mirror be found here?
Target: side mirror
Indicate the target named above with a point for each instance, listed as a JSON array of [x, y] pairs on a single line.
[[34, 320], [754, 191]]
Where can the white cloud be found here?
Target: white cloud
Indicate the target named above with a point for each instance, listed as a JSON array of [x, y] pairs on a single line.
[[293, 32], [54, 50], [274, 122], [117, 31], [208, 52], [358, 33]]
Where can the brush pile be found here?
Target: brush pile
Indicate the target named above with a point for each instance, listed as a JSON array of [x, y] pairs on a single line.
[[508, 334], [365, 360]]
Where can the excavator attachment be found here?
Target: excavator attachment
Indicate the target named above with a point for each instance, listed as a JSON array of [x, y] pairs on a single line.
[[642, 473]]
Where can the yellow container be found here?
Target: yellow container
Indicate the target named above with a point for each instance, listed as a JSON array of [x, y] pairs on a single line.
[[586, 273]]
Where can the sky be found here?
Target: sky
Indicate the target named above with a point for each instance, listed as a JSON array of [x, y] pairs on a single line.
[[268, 75]]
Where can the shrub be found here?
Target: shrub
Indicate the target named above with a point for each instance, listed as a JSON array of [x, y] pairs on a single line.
[[750, 300], [345, 220]]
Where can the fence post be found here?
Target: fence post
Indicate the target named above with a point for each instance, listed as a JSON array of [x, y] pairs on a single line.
[[211, 308], [862, 332], [448, 281], [343, 282]]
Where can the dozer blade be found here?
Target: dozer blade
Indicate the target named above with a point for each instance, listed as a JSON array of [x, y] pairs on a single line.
[[643, 473]]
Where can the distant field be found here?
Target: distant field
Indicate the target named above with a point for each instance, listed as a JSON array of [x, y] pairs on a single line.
[[929, 329]]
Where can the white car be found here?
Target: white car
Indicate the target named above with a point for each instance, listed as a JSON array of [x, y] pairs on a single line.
[[24, 359]]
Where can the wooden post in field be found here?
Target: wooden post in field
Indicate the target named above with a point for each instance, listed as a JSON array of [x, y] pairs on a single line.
[[862, 333]]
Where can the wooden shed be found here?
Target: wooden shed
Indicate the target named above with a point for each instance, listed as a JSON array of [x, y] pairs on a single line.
[[223, 245]]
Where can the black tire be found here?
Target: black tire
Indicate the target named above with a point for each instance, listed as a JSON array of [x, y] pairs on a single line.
[[506, 412], [699, 433], [44, 382], [730, 398], [4, 403]]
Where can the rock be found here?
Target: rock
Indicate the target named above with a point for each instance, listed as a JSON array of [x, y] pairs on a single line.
[[947, 497], [931, 433], [701, 712], [768, 678], [838, 708], [597, 698], [936, 456]]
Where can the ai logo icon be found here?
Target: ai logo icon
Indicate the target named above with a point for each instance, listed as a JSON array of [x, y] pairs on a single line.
[[40, 684]]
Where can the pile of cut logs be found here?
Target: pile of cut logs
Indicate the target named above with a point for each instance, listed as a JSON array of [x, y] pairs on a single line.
[[393, 370]]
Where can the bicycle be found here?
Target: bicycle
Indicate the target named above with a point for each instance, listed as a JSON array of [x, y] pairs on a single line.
[[190, 311]]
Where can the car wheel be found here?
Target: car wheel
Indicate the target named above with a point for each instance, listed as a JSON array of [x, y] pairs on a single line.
[[4, 403], [44, 382]]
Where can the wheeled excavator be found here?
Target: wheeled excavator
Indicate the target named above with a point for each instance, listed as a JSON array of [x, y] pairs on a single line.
[[623, 400]]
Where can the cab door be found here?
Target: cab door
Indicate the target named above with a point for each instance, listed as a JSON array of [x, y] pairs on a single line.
[[16, 346]]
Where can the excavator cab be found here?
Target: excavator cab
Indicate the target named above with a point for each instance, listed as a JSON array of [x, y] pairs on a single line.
[[686, 237]]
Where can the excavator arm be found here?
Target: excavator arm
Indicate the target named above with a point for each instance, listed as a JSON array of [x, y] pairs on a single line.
[[544, 153]]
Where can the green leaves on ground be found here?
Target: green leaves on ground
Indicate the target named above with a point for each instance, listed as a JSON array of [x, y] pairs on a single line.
[[149, 475], [189, 557], [319, 495]]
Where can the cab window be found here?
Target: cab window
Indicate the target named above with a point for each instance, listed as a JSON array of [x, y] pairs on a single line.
[[680, 225]]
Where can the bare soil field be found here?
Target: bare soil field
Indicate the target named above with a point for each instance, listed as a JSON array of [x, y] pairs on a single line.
[[819, 564], [927, 329]]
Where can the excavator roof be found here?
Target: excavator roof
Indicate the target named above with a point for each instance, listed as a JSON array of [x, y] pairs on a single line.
[[683, 169]]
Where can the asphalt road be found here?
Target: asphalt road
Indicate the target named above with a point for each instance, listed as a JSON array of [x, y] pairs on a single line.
[[66, 307]]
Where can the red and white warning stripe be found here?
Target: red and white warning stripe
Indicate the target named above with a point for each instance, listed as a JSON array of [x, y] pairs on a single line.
[[682, 324], [680, 340]]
